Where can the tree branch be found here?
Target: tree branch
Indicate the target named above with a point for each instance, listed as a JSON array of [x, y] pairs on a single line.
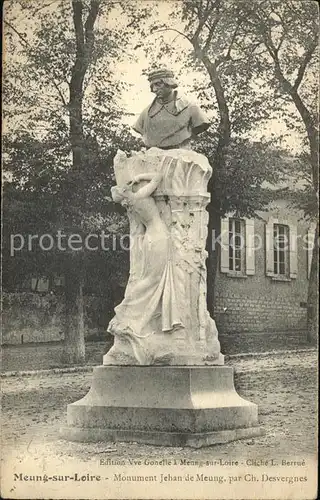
[[27, 44], [176, 31], [211, 32], [202, 22], [304, 112], [228, 56], [304, 64], [77, 9], [84, 40], [92, 16], [44, 7]]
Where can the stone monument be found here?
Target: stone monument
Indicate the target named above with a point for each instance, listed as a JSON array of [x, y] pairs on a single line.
[[164, 381]]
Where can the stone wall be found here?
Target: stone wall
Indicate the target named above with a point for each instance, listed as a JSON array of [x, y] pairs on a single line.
[[248, 314], [33, 317]]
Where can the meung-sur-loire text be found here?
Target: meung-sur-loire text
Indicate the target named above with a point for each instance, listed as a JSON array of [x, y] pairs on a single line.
[[161, 478]]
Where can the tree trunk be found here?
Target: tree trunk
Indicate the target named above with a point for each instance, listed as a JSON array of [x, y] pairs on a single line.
[[84, 35], [313, 293], [213, 249], [224, 136], [313, 139], [74, 344]]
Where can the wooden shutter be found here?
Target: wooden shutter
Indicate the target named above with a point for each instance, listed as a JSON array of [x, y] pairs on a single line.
[[224, 249], [249, 249], [310, 243], [269, 247], [293, 251]]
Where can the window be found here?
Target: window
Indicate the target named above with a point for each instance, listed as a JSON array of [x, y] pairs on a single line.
[[44, 284], [237, 247], [281, 249], [40, 284], [58, 281]]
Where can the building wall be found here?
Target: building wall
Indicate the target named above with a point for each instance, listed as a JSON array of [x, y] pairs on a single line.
[[258, 303]]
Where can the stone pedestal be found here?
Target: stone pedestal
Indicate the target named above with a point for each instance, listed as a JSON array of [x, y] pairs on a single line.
[[163, 381], [168, 406]]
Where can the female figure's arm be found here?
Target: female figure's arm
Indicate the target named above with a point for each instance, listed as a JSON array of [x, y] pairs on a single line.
[[146, 176], [145, 191]]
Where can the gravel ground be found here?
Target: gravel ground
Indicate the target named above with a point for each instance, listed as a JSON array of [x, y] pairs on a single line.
[[48, 355], [34, 408]]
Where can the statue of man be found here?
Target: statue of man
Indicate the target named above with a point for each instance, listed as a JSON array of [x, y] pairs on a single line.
[[171, 120]]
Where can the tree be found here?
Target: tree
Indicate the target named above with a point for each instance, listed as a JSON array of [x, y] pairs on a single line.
[[218, 46], [68, 54], [289, 31]]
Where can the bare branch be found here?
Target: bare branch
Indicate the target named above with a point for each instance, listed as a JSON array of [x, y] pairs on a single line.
[[44, 7], [25, 42], [176, 31]]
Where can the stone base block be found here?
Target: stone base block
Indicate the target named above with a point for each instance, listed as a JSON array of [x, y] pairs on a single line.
[[168, 406], [196, 440]]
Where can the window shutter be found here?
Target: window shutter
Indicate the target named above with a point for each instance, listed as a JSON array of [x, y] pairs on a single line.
[[293, 254], [224, 250], [250, 257], [310, 243], [269, 247]]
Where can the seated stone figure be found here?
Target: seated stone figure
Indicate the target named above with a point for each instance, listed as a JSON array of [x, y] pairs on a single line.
[[150, 294], [171, 120]]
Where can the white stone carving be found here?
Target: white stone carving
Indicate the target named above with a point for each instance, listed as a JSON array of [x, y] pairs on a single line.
[[163, 318]]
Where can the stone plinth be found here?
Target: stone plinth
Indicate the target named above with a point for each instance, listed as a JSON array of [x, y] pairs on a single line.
[[169, 406]]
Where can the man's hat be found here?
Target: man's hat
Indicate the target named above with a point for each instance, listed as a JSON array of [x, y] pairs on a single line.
[[164, 74]]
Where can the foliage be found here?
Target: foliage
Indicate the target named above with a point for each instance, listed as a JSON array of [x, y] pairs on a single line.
[[58, 144], [45, 193]]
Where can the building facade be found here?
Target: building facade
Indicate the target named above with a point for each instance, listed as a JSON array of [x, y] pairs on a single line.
[[263, 273]]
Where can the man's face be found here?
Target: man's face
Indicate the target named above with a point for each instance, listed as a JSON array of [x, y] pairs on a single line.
[[160, 88]]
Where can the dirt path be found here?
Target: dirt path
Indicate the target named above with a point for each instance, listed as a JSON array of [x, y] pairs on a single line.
[[34, 408]]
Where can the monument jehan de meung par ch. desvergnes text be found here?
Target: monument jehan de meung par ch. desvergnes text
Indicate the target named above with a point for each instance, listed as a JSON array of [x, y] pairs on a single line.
[[164, 381]]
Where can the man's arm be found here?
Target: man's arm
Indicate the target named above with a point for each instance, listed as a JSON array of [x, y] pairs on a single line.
[[138, 126], [199, 120]]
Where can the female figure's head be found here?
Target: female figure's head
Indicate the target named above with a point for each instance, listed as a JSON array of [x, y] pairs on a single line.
[[117, 194], [121, 195]]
